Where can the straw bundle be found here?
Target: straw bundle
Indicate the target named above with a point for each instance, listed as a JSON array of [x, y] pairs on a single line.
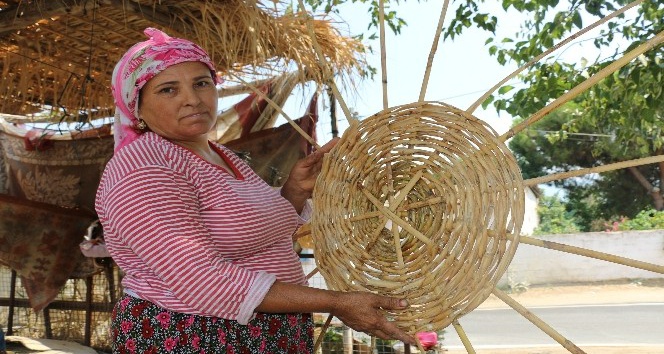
[[62, 54], [245, 35], [416, 202]]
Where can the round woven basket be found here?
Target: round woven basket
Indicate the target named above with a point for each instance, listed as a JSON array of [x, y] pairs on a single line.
[[416, 202]]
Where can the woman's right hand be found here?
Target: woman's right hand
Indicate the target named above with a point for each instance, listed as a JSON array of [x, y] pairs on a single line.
[[362, 312]]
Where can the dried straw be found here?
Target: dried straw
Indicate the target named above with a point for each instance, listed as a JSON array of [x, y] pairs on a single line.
[[64, 59], [415, 202], [246, 36]]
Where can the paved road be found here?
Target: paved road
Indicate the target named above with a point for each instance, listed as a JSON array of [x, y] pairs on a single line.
[[632, 324]]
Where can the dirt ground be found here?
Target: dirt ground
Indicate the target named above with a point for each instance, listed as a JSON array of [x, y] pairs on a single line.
[[595, 293]]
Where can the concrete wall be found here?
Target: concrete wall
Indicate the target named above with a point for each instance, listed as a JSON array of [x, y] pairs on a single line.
[[530, 217], [533, 265]]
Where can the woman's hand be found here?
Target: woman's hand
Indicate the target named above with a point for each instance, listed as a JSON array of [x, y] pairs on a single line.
[[302, 178], [361, 311]]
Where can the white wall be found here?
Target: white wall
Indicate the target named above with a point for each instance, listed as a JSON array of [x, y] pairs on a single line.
[[533, 265], [530, 217]]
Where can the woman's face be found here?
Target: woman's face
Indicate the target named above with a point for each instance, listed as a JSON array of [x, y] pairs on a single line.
[[180, 103]]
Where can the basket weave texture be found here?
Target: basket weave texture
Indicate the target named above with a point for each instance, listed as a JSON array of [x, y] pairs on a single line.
[[415, 202]]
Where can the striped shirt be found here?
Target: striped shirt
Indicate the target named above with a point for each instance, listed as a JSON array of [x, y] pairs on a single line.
[[191, 237]]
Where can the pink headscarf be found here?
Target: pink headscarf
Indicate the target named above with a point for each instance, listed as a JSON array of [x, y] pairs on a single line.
[[137, 66]]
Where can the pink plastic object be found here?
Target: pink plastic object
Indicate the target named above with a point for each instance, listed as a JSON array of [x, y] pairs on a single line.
[[428, 339]]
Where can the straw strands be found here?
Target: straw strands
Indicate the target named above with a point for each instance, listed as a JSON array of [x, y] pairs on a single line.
[[415, 202], [61, 54]]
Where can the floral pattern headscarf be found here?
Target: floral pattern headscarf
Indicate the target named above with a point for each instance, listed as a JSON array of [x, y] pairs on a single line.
[[142, 62]]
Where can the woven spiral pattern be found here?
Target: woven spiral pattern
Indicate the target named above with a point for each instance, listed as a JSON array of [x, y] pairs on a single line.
[[415, 202]]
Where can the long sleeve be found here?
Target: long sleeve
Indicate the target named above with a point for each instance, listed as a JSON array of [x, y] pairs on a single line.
[[193, 239], [156, 217]]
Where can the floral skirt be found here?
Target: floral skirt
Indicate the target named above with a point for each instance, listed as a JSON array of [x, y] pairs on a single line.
[[140, 327]]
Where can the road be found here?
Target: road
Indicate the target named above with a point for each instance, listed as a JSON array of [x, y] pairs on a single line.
[[591, 325]]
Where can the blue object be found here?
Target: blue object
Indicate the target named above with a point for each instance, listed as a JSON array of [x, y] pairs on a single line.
[[3, 346]]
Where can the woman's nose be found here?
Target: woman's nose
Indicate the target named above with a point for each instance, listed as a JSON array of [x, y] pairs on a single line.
[[191, 96]]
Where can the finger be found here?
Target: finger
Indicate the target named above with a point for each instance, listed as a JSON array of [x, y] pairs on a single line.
[[393, 303]]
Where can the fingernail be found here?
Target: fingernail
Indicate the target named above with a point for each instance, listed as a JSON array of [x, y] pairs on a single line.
[[403, 303]]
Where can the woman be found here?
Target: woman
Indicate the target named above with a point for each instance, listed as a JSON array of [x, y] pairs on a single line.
[[204, 243]]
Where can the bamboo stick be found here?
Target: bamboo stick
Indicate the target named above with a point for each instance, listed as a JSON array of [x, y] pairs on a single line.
[[606, 71], [396, 219], [477, 103], [239, 89], [598, 169], [383, 50], [312, 273], [463, 337], [281, 111], [325, 67], [432, 53], [323, 330], [571, 347], [590, 253], [405, 207]]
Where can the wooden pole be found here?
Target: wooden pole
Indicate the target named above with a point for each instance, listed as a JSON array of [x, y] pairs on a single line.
[[463, 337], [598, 169], [571, 347]]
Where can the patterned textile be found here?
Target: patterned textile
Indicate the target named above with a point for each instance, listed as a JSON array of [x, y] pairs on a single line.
[[139, 326], [271, 153], [64, 170], [143, 61], [40, 241]]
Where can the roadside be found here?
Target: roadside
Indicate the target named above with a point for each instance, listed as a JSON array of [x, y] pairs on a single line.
[[616, 292]]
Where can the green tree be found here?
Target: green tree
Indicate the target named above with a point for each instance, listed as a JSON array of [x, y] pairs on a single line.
[[618, 119], [548, 146], [554, 217]]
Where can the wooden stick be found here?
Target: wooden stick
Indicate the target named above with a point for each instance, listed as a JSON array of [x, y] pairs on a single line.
[[590, 253], [312, 273], [598, 169], [463, 337], [477, 103], [383, 50], [323, 330], [324, 65], [571, 347], [580, 88], [239, 89], [432, 53], [395, 218], [281, 111]]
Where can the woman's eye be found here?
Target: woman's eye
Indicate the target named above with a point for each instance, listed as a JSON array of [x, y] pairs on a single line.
[[167, 90], [204, 83]]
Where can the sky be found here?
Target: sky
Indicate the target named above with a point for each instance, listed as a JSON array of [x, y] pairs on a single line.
[[461, 71]]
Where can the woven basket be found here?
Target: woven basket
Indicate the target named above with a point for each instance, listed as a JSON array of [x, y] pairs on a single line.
[[415, 202]]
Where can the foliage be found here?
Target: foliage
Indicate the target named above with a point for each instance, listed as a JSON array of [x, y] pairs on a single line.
[[392, 20], [333, 342], [617, 119], [648, 219], [548, 147], [554, 217]]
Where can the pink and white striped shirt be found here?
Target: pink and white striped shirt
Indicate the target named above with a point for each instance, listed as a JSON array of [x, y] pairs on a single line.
[[191, 237]]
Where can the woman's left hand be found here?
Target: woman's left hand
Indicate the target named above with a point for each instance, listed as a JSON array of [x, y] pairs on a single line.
[[302, 178]]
